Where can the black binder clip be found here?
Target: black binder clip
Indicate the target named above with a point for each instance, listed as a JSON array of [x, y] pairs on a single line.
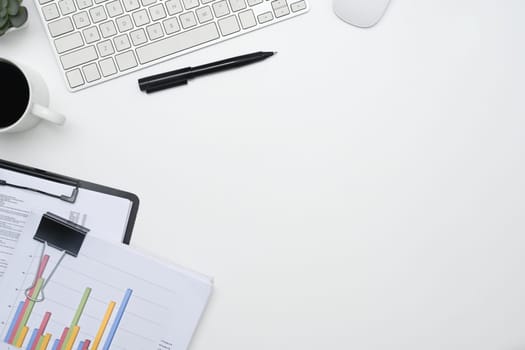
[[58, 233]]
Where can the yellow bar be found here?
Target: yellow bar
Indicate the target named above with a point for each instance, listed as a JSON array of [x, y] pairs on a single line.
[[103, 326], [22, 337], [45, 342], [74, 334]]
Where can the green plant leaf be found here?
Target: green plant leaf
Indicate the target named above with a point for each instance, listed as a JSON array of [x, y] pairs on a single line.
[[3, 21], [4, 28], [20, 18], [3, 12], [13, 7], [3, 4]]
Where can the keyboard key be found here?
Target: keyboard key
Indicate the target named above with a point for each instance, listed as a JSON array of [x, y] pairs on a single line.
[[42, 2], [126, 61], [188, 20], [98, 14], [204, 2], [81, 20], [91, 35], [99, 1], [278, 4], [79, 57], [66, 7], [114, 8], [157, 12], [221, 8], [177, 43], [247, 19], [50, 12], [237, 5], [69, 42], [105, 48], [298, 6], [61, 26], [148, 2], [122, 42], [131, 5], [138, 37], [107, 66], [204, 14], [190, 4], [171, 25], [140, 18], [91, 72], [282, 11], [74, 78], [265, 17], [155, 31], [84, 4], [254, 2], [108, 29], [173, 7], [124, 23], [229, 25]]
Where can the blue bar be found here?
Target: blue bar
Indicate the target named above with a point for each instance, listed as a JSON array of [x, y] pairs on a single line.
[[80, 345], [120, 313], [55, 345], [13, 323], [32, 340]]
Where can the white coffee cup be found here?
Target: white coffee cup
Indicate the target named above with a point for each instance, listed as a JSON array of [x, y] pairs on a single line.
[[34, 94]]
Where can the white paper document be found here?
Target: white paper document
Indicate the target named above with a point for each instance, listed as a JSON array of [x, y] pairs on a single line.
[[109, 297], [106, 215]]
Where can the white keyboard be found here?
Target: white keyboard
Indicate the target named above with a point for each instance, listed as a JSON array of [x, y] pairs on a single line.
[[98, 40]]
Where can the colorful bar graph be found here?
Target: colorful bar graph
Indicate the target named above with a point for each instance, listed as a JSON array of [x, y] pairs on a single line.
[[40, 272], [117, 320], [22, 336], [76, 318], [63, 337], [18, 331], [72, 338], [32, 339], [45, 342], [41, 330], [13, 323], [27, 312]]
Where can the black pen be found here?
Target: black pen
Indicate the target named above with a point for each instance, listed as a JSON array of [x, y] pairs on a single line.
[[181, 76]]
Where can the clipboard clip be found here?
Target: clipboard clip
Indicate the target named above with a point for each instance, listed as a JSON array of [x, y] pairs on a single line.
[[66, 198], [58, 233]]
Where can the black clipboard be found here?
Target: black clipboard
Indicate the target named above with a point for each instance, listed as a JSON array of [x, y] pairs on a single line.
[[76, 183]]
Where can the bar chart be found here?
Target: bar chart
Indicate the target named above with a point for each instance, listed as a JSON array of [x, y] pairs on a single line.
[[18, 332], [103, 299]]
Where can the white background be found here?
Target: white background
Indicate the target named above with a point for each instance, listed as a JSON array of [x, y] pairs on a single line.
[[363, 189]]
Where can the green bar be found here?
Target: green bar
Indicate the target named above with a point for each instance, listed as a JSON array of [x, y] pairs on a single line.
[[29, 309], [39, 344], [80, 309]]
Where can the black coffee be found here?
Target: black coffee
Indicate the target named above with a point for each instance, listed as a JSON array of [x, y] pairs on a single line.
[[14, 94]]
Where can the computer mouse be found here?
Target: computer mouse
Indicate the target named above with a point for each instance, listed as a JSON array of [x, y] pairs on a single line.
[[361, 13]]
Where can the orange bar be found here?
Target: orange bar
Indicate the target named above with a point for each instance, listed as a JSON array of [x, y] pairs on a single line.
[[22, 337], [74, 335], [103, 325], [45, 342]]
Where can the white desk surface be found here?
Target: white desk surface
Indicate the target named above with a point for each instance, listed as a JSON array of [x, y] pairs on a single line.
[[363, 189]]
